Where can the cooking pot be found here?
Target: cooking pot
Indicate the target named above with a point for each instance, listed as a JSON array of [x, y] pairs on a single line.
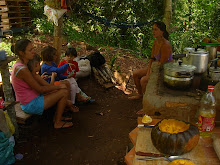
[[212, 52], [178, 75], [198, 58]]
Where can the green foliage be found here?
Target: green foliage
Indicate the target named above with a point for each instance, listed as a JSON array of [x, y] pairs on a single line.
[[113, 59], [43, 25], [116, 11], [5, 45], [37, 8], [192, 20]]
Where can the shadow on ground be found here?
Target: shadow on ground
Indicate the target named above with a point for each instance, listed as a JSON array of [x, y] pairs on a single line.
[[95, 139]]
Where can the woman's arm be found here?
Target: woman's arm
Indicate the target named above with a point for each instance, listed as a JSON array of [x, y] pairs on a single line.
[[40, 80], [165, 51], [25, 75]]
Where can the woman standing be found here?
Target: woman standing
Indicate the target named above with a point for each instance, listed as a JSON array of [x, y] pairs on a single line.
[[161, 52], [33, 97]]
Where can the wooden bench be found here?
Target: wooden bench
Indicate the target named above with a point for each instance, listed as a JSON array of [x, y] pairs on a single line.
[[21, 116]]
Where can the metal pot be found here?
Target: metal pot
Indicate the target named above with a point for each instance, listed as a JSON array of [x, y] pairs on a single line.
[[214, 73], [212, 52], [178, 75], [198, 58]]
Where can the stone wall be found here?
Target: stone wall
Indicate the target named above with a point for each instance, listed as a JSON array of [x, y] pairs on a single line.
[[169, 106]]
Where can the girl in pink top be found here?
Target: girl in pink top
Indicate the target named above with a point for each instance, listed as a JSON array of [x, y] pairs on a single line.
[[28, 90]]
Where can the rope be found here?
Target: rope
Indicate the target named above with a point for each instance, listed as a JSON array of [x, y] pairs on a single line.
[[108, 22]]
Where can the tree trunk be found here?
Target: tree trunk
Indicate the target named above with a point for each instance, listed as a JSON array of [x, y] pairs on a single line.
[[58, 39], [8, 93], [167, 13]]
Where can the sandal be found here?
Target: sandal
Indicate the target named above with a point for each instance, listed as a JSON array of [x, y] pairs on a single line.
[[66, 118], [65, 125], [88, 101]]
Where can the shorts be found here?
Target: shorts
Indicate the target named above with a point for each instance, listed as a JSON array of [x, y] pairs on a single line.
[[36, 106]]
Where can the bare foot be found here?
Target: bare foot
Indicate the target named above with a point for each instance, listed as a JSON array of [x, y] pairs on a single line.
[[72, 107], [137, 97], [140, 112], [62, 124]]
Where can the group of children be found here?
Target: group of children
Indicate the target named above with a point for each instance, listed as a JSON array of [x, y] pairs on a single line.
[[64, 73]]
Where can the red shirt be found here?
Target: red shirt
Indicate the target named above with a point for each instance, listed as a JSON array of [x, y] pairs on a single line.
[[72, 69]]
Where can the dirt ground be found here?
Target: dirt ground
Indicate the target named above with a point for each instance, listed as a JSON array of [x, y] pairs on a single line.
[[100, 132]]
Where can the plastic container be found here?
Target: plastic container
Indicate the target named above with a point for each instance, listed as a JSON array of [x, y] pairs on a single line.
[[2, 103], [207, 113]]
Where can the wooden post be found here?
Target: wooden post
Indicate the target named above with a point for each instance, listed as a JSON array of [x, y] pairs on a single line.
[[167, 13], [8, 93], [58, 38]]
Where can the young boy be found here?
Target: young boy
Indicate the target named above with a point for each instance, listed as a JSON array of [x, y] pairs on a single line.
[[49, 66], [70, 55]]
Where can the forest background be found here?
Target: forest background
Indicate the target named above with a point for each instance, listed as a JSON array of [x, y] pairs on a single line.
[[192, 20]]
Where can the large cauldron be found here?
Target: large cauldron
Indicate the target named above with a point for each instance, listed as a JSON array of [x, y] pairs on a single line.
[[178, 75]]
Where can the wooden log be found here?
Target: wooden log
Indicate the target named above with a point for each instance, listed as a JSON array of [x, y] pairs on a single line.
[[98, 78], [103, 70], [113, 79], [167, 13], [102, 75], [21, 116], [58, 38]]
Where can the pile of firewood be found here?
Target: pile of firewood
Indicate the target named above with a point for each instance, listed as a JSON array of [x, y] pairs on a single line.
[[104, 76], [108, 79]]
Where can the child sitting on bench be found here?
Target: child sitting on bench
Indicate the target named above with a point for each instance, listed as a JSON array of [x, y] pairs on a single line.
[[48, 54], [34, 67]]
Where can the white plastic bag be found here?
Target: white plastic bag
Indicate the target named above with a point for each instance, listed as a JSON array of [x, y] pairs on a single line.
[[53, 14], [84, 68]]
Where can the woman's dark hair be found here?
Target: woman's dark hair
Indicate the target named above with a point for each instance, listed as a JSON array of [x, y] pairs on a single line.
[[48, 53], [31, 63], [71, 52], [163, 28], [20, 45]]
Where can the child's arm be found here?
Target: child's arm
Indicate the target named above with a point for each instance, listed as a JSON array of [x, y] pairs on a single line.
[[61, 69], [54, 74], [44, 76]]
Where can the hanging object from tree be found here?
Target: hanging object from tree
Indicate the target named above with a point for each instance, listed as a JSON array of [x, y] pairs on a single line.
[[53, 14], [56, 4]]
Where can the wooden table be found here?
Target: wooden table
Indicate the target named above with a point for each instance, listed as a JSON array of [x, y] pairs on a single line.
[[202, 154]]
